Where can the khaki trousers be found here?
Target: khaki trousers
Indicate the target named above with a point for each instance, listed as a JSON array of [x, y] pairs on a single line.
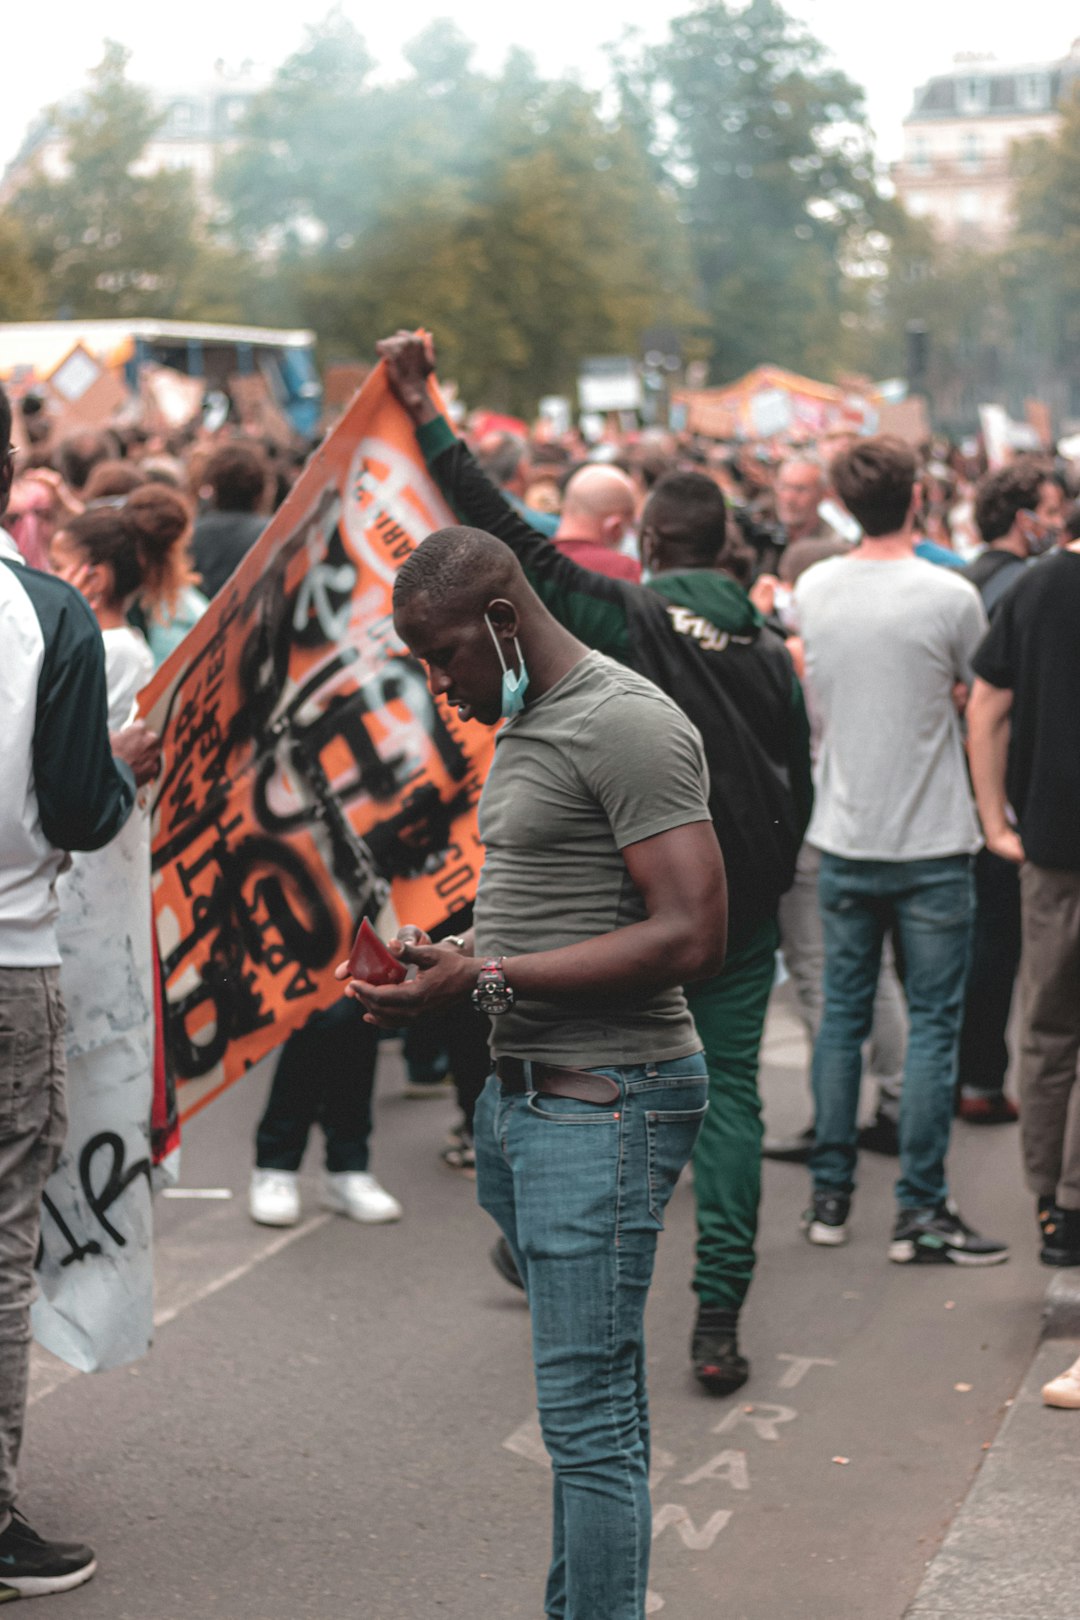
[[1050, 1032], [33, 1119]]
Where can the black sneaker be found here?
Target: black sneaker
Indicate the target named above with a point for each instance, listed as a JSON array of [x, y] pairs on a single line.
[[1060, 1230], [502, 1258], [789, 1149], [714, 1351], [30, 1566], [937, 1236], [826, 1220]]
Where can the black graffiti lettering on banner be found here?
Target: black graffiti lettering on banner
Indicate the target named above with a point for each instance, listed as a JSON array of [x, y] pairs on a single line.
[[323, 602], [264, 907], [344, 719], [416, 838], [191, 723], [117, 1182], [76, 1250]]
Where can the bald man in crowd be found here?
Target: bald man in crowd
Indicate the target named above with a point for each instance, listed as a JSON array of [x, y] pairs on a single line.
[[597, 513]]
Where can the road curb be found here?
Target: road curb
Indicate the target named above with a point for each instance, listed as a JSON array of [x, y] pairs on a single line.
[[1061, 1307], [1010, 1552]]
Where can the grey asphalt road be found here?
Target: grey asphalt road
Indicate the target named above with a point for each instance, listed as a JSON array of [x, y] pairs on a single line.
[[337, 1420]]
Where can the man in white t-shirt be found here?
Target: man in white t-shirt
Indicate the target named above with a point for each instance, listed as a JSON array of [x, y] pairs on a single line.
[[889, 639]]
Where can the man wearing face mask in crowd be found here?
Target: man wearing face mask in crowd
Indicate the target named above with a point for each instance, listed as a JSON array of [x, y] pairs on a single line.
[[602, 892], [1019, 510], [694, 632]]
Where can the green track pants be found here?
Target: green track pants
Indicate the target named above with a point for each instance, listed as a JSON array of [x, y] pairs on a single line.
[[729, 1011]]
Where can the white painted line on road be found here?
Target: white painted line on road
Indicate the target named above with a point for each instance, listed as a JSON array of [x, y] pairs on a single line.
[[196, 1192], [47, 1373], [527, 1441], [197, 1295]]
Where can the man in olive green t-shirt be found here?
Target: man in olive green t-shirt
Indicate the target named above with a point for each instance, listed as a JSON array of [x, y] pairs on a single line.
[[602, 893]]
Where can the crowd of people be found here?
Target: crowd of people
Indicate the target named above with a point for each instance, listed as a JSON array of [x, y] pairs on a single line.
[[811, 704]]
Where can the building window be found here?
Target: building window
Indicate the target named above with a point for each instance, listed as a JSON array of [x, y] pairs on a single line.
[[969, 207], [971, 152], [181, 116], [1033, 91], [921, 160], [973, 95]]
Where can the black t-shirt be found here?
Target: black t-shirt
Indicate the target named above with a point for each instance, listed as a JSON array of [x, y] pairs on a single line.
[[220, 543], [1033, 649]]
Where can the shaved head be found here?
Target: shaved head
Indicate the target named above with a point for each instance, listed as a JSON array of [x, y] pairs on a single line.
[[461, 570], [463, 607], [596, 493]]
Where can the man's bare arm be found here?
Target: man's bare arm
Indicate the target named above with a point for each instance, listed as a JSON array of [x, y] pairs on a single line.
[[680, 875], [989, 729]]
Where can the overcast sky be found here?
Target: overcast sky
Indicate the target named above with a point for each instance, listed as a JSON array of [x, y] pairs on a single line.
[[887, 48]]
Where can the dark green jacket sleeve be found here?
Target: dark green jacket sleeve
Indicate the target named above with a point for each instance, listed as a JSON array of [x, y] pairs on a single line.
[[591, 606], [84, 795]]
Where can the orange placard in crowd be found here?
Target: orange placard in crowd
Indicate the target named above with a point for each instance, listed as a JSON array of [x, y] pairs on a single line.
[[308, 772]]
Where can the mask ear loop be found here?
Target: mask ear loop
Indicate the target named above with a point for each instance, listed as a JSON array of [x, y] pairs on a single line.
[[498, 648]]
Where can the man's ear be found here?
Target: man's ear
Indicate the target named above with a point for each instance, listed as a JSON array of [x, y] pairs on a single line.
[[504, 617], [647, 548]]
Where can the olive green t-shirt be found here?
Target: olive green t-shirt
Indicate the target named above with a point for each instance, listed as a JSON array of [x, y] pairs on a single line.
[[601, 761]]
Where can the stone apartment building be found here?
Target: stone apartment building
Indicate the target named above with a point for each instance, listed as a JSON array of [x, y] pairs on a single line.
[[197, 125], [958, 137]]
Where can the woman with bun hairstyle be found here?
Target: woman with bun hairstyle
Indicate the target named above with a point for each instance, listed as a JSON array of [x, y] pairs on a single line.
[[129, 557]]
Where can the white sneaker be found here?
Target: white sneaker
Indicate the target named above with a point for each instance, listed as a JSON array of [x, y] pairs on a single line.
[[1064, 1390], [274, 1197], [358, 1195]]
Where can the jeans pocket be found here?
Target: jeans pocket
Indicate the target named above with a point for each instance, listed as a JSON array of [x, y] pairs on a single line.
[[569, 1110], [670, 1135]]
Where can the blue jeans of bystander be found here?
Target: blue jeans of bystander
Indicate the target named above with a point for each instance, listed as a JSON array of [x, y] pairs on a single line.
[[930, 904]]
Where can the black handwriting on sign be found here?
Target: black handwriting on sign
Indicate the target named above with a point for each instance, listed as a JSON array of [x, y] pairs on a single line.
[[116, 1182], [100, 1196]]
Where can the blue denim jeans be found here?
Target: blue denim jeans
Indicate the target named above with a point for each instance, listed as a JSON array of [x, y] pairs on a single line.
[[930, 905], [580, 1193]]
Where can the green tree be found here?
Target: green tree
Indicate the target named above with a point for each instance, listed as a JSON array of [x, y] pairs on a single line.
[[505, 214], [295, 174], [19, 284], [770, 148], [960, 292], [107, 239]]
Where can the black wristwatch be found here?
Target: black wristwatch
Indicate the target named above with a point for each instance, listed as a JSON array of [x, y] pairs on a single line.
[[492, 994]]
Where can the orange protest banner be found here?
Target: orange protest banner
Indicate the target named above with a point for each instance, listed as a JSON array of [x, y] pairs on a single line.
[[308, 772]]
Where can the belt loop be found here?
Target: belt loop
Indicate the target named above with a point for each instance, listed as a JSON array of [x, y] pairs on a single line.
[[528, 1068]]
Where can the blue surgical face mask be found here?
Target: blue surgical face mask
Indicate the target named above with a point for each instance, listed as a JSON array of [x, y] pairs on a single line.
[[514, 686]]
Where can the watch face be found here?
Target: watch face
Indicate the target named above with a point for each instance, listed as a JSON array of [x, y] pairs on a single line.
[[492, 994]]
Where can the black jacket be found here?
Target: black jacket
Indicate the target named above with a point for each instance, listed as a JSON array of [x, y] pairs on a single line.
[[699, 638]]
